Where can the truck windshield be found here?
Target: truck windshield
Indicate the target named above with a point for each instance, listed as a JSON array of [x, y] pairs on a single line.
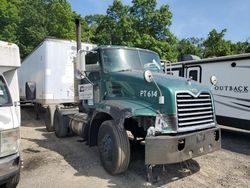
[[116, 60], [5, 99]]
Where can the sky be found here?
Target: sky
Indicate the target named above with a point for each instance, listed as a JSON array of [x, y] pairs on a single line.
[[191, 18]]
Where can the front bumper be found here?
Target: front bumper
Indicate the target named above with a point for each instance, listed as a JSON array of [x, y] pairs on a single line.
[[174, 149], [9, 167]]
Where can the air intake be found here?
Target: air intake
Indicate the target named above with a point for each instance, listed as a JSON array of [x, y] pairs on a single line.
[[196, 112]]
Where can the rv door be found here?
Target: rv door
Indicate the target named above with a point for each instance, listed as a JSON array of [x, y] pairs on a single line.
[[194, 73]]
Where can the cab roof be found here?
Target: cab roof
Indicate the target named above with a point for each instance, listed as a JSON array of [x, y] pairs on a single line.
[[102, 47], [9, 55]]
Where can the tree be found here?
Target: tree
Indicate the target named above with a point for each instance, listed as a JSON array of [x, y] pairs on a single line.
[[43, 18], [115, 27], [141, 24], [138, 25], [32, 29], [9, 20], [215, 45], [59, 18], [240, 47], [152, 28], [192, 46]]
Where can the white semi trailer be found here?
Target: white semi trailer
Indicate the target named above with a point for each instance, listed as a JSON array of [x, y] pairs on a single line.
[[10, 161], [231, 93], [48, 73]]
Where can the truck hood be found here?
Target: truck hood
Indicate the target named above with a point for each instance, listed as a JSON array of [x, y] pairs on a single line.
[[131, 84]]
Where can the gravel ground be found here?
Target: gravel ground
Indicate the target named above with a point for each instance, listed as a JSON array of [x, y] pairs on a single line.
[[52, 162]]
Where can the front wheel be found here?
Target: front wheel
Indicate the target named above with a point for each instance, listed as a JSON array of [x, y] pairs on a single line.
[[113, 147]]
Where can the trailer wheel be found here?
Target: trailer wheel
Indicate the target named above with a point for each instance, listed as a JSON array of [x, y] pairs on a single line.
[[49, 118], [61, 124], [113, 147]]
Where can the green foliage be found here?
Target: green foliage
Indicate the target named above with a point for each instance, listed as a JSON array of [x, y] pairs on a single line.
[[240, 47], [28, 22], [60, 20], [215, 45], [141, 24], [9, 20], [32, 29], [192, 46]]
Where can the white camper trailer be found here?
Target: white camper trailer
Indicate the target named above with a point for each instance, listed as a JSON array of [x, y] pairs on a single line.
[[9, 115], [231, 93], [47, 75]]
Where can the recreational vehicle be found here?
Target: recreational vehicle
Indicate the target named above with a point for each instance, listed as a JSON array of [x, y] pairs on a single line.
[[232, 91]]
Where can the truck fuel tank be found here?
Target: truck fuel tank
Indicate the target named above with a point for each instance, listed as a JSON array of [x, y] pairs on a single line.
[[78, 122]]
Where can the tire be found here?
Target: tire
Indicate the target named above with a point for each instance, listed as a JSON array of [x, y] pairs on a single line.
[[114, 148], [49, 118], [61, 124], [12, 183]]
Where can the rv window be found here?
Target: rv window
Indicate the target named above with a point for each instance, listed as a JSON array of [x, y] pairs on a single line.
[[193, 74], [5, 99]]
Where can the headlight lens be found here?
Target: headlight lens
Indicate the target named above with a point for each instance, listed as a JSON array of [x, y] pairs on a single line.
[[165, 123], [9, 141], [160, 123]]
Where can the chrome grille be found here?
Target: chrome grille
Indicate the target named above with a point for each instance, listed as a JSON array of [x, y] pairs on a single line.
[[194, 111]]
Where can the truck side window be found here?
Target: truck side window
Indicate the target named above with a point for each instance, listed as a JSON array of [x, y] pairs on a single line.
[[193, 74], [92, 59], [5, 99]]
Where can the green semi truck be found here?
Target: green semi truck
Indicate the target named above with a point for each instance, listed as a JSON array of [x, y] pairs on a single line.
[[122, 95], [123, 90]]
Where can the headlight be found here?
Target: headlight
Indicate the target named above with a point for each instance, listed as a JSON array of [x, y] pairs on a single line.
[[165, 123], [9, 142], [160, 123]]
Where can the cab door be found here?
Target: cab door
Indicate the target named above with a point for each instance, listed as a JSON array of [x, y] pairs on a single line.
[[194, 73], [7, 112]]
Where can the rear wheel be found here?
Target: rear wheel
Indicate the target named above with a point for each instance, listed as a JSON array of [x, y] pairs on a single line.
[[113, 147], [61, 124], [49, 118]]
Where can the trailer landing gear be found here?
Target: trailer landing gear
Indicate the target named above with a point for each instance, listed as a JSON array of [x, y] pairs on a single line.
[[37, 110]]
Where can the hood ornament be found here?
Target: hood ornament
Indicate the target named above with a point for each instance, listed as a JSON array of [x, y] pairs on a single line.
[[194, 91]]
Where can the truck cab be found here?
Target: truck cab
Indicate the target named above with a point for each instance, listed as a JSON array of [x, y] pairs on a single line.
[[124, 95], [10, 161]]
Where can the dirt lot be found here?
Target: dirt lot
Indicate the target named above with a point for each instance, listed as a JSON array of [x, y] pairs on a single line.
[[53, 162]]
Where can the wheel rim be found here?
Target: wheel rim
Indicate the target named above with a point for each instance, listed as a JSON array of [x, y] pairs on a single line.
[[106, 150]]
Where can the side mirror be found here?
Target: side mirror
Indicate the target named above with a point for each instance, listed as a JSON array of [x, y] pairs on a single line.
[[148, 76], [80, 61]]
